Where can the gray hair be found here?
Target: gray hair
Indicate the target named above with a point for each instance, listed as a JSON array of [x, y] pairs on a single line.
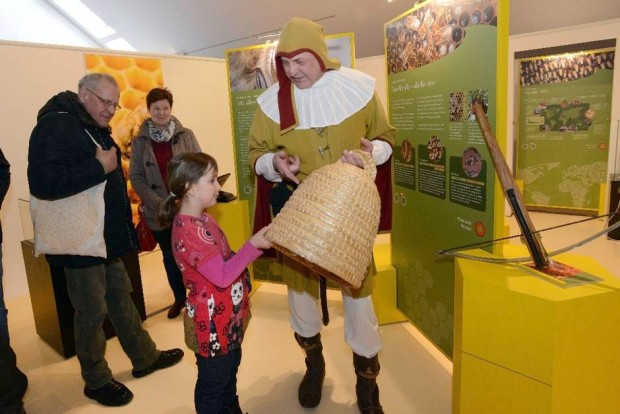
[[91, 81]]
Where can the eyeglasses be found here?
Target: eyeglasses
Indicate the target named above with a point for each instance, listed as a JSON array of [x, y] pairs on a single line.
[[106, 102]]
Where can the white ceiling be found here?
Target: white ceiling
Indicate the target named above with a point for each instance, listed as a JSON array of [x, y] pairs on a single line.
[[209, 27]]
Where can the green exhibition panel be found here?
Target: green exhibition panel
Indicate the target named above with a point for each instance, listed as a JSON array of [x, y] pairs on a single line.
[[564, 126], [442, 56]]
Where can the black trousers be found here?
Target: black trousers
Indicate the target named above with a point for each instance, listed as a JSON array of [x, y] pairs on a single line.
[[13, 382]]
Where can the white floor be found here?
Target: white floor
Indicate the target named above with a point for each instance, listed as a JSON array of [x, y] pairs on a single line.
[[414, 379]]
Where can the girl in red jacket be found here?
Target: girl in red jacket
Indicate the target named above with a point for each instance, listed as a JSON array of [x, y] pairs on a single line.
[[217, 280]]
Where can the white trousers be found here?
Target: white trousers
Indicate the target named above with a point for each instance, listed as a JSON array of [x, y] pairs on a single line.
[[361, 328]]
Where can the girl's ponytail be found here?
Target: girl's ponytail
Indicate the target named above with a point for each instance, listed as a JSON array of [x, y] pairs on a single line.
[[168, 209]]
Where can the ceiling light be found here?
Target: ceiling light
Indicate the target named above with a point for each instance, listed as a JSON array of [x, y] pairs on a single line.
[[85, 17]]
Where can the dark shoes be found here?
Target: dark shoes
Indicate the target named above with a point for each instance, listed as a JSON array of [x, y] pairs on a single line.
[[112, 394], [166, 359], [310, 389], [176, 309], [366, 371]]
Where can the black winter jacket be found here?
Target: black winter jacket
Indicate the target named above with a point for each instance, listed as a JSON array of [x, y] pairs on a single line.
[[61, 163]]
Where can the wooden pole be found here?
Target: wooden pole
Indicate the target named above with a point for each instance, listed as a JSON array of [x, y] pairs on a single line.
[[512, 193]]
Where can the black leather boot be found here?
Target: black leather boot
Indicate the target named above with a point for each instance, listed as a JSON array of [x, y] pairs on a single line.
[[366, 370], [311, 386]]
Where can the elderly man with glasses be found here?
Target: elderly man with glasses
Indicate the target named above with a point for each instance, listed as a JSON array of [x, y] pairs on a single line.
[[71, 150]]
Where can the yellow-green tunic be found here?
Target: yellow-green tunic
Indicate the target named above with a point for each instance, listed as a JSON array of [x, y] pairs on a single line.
[[369, 122]]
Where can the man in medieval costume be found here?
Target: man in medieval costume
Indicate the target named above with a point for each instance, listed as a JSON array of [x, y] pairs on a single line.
[[316, 114]]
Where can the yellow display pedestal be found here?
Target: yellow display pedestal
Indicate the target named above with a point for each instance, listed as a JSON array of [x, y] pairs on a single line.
[[526, 346], [384, 286], [233, 218]]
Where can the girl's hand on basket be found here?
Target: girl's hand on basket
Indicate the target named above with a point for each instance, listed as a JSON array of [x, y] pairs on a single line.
[[259, 241]]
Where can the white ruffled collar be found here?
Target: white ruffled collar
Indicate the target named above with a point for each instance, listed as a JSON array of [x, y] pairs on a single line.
[[332, 99]]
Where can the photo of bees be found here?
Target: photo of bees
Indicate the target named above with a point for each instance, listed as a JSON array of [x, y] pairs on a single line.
[[564, 68], [432, 32], [457, 106]]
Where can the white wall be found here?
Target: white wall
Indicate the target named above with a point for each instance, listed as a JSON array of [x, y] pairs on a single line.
[[31, 74], [609, 29], [375, 66]]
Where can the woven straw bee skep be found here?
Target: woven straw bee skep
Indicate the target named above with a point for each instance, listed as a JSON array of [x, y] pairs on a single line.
[[330, 222]]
